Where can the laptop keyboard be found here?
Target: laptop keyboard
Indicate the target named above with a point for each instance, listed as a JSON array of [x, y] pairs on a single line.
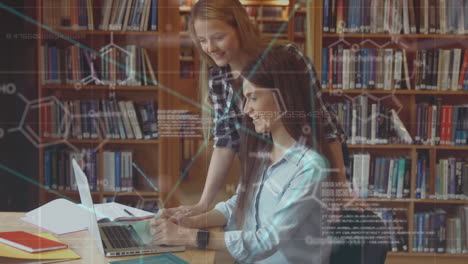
[[122, 236]]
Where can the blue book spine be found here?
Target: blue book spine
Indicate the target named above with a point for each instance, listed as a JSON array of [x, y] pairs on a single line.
[[118, 171], [326, 10], [415, 232], [371, 61], [324, 68], [154, 15], [47, 171], [418, 179], [349, 23], [358, 9], [365, 65], [420, 232]]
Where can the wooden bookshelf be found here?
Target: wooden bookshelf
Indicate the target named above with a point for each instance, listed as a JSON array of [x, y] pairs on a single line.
[[150, 155], [410, 99]]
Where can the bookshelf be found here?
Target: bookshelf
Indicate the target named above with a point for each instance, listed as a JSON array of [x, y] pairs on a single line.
[[412, 41], [151, 54]]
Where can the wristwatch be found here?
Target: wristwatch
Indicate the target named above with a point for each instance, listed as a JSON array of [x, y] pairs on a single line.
[[203, 238]]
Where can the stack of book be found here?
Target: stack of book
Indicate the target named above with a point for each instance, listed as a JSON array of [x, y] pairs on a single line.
[[24, 247], [436, 231], [99, 119], [396, 16], [382, 177]]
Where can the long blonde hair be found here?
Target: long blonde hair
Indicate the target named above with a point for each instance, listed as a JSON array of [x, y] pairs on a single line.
[[234, 14]]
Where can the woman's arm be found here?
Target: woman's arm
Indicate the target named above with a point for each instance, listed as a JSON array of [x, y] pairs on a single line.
[[221, 160], [220, 163]]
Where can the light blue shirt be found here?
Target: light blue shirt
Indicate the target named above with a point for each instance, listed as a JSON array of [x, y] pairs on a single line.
[[283, 223]]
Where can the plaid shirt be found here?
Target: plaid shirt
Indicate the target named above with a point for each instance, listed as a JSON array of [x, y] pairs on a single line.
[[227, 105]]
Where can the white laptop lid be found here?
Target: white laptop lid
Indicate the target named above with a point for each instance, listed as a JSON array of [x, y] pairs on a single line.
[[87, 203]]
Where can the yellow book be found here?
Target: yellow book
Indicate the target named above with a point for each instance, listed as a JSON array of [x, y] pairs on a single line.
[[12, 255]]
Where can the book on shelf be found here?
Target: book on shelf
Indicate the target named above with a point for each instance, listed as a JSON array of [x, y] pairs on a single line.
[[366, 68], [68, 14], [117, 171], [438, 124], [365, 122], [441, 69], [99, 119], [58, 171], [395, 16], [397, 226], [451, 180], [131, 15], [128, 65], [439, 232], [382, 177]]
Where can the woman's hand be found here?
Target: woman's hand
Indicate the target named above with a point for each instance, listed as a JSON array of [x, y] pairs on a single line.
[[168, 233], [179, 219], [186, 210]]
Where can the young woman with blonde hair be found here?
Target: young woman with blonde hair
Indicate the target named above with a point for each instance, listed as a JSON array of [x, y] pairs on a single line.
[[226, 40]]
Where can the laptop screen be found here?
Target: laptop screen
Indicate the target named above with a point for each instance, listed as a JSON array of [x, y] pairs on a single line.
[[87, 203]]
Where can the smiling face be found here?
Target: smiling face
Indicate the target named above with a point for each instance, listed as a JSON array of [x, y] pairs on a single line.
[[218, 40], [261, 106]]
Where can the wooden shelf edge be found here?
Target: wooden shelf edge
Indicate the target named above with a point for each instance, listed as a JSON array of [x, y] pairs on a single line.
[[99, 87], [395, 92], [404, 146], [100, 32], [265, 3], [101, 141], [388, 35], [421, 254]]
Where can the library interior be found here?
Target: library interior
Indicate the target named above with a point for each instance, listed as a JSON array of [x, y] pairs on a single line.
[[149, 101]]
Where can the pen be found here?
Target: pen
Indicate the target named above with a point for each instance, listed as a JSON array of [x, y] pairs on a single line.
[[128, 212]]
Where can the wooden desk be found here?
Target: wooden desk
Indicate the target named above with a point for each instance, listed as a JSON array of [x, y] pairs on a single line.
[[83, 244]]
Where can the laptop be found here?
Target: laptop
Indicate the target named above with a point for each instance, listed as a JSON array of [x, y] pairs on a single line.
[[114, 239]]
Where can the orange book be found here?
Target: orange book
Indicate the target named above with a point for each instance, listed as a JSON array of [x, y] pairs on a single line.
[[30, 242]]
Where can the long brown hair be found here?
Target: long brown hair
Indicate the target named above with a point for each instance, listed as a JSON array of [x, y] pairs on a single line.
[[288, 76], [234, 14]]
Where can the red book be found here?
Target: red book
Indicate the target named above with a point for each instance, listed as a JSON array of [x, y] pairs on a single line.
[[29, 242]]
